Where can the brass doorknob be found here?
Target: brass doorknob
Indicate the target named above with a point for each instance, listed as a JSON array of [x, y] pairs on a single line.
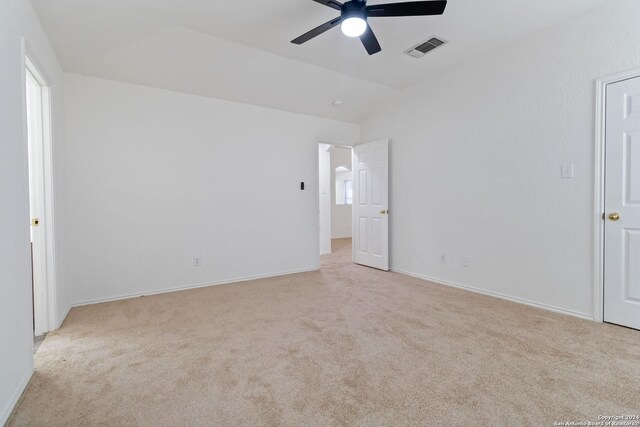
[[614, 216], [384, 211]]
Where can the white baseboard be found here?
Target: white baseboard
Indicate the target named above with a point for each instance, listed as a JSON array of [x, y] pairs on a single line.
[[64, 316], [499, 295], [8, 408], [187, 287]]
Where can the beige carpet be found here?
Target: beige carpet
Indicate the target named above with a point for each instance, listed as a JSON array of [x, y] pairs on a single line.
[[346, 345]]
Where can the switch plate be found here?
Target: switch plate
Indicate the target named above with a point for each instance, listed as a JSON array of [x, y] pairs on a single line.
[[197, 261], [567, 171]]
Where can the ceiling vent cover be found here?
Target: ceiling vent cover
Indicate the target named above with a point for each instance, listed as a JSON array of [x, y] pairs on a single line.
[[419, 50]]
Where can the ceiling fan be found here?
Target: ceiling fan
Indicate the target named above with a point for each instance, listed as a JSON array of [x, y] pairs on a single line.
[[354, 14]]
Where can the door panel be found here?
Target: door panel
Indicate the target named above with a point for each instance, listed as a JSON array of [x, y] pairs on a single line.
[[622, 198], [632, 250], [371, 239], [377, 236], [362, 187], [632, 154], [376, 185], [362, 236]]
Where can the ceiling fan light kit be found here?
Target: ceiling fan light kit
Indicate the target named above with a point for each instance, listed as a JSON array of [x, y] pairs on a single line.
[[353, 27], [353, 19], [355, 13]]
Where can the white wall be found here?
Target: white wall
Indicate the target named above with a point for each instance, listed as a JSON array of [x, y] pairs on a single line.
[[341, 218], [173, 59], [476, 155], [157, 177], [17, 20]]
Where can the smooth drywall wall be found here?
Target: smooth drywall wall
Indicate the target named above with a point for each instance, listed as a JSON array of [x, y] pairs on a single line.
[[157, 178], [341, 218], [18, 22], [476, 155]]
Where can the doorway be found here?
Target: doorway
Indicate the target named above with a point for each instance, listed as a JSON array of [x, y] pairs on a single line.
[[39, 145], [335, 197], [619, 202]]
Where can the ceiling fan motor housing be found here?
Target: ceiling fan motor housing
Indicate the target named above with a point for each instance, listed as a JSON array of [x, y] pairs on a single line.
[[354, 9]]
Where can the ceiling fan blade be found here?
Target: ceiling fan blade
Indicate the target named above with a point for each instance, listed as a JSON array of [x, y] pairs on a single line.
[[317, 31], [370, 41], [331, 3], [409, 8]]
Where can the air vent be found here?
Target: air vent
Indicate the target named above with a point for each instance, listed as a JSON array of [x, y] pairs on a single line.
[[419, 50]]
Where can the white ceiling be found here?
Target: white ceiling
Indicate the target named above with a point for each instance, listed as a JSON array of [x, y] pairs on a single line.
[[240, 50]]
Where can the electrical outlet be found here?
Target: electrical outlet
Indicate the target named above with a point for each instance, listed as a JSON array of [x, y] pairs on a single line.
[[465, 262], [443, 258], [197, 261]]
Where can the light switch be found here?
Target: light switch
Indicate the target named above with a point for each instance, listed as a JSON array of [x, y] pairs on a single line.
[[567, 171]]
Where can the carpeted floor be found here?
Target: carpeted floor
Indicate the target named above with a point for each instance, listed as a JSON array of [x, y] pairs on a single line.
[[346, 345]]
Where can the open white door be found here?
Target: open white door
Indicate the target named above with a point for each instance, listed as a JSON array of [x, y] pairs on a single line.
[[40, 198], [371, 204], [622, 204]]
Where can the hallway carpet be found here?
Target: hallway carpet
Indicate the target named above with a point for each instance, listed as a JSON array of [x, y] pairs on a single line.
[[346, 345]]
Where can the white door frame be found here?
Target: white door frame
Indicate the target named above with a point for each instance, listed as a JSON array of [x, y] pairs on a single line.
[[317, 157], [599, 168], [45, 314]]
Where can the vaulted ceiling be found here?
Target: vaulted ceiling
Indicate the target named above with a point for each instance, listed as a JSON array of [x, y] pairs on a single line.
[[241, 50]]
